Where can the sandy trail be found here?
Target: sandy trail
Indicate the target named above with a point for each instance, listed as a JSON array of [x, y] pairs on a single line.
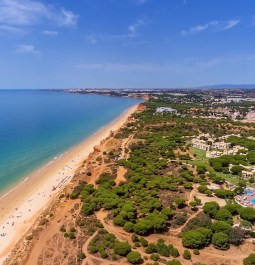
[[209, 255], [93, 260], [48, 232], [120, 234], [122, 170], [121, 175], [22, 205]]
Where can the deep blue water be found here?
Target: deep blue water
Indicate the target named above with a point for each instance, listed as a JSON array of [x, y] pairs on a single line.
[[36, 126]]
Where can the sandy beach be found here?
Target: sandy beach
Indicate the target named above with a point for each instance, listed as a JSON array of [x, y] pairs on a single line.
[[22, 205]]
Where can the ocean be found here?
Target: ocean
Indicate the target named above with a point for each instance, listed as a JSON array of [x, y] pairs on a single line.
[[38, 126]]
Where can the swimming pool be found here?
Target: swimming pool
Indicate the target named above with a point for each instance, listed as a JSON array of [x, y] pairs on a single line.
[[248, 192], [253, 201]]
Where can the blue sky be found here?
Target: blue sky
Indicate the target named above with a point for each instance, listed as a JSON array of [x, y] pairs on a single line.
[[126, 43]]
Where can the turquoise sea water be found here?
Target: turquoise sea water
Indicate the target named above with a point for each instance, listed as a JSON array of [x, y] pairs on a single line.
[[36, 126]]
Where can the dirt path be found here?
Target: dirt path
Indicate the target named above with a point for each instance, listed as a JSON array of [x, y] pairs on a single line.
[[117, 231], [124, 146], [93, 260], [89, 258], [192, 194], [122, 170], [47, 234], [209, 255], [120, 175], [179, 229], [204, 198]]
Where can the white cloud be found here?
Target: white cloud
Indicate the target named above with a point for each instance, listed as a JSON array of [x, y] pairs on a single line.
[[132, 32], [92, 39], [213, 26], [27, 13], [11, 30], [23, 13], [67, 18], [50, 33], [25, 48], [200, 28], [231, 24], [132, 29]]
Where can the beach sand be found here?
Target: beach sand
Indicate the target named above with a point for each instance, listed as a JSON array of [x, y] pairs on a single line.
[[20, 207]]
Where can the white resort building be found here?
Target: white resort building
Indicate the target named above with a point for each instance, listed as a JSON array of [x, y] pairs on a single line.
[[213, 154], [165, 109], [215, 148], [221, 145], [247, 175], [200, 144]]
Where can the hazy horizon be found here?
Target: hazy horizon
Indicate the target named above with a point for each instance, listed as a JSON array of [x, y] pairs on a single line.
[[215, 86]]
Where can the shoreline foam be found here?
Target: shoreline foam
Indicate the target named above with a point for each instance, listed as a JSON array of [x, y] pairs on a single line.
[[22, 204]]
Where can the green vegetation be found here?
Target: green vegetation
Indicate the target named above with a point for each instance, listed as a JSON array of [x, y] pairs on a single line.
[[196, 252], [197, 238], [162, 169], [220, 240], [134, 257], [243, 141], [224, 215], [211, 208], [174, 262], [186, 254], [221, 226], [122, 248], [202, 220], [247, 214], [250, 260]]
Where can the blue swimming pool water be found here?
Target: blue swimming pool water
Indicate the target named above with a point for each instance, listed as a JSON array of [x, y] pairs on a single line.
[[253, 201], [248, 192]]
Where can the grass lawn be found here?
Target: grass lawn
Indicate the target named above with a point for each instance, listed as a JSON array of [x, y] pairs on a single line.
[[232, 180], [201, 154], [229, 175], [199, 163], [202, 160]]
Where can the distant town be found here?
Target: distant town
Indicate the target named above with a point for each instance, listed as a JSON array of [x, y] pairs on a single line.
[[235, 104]]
